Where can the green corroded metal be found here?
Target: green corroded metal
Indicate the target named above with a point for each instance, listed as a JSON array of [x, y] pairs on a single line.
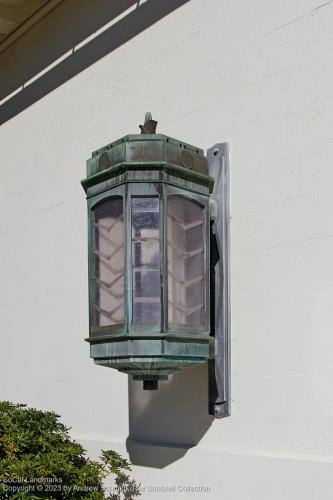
[[174, 161], [156, 165]]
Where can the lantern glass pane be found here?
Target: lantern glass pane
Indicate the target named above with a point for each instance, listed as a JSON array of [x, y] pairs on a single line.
[[108, 252], [185, 237], [146, 260]]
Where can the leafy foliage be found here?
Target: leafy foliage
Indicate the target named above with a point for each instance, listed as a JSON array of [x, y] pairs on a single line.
[[38, 459]]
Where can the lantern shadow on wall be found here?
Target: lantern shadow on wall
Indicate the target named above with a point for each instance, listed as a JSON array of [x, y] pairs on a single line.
[[165, 424], [159, 280]]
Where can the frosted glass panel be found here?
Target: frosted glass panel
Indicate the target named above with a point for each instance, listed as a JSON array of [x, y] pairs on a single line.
[[146, 260], [185, 236], [108, 263]]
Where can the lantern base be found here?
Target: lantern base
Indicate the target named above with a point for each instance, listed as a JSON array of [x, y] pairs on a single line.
[[152, 358]]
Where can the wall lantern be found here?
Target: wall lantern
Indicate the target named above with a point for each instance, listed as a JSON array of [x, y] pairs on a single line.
[[158, 259]]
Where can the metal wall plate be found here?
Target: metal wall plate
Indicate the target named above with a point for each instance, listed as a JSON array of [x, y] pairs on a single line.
[[220, 361]]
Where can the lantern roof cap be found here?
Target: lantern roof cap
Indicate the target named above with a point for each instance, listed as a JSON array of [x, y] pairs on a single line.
[[148, 133], [151, 151], [149, 137]]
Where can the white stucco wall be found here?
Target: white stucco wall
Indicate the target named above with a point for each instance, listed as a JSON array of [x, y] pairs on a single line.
[[260, 76]]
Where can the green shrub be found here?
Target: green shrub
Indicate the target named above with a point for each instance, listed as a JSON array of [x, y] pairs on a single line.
[[38, 459]]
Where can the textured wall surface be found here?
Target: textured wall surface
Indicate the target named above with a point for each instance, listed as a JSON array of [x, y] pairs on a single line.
[[260, 76]]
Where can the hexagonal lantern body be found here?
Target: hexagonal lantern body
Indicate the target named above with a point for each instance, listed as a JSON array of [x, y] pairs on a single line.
[[148, 218]]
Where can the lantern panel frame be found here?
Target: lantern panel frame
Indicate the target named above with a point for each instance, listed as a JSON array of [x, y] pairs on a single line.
[[163, 192], [97, 331]]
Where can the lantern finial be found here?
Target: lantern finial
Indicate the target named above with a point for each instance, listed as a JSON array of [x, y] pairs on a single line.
[[149, 126]]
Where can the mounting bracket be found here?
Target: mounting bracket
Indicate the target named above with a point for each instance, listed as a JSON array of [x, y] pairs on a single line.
[[219, 362]]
